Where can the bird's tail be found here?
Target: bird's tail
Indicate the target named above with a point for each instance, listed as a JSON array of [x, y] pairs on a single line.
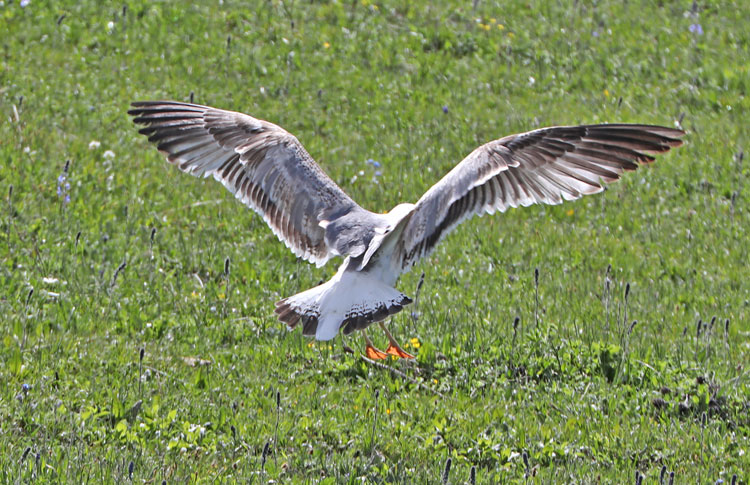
[[343, 304], [302, 308]]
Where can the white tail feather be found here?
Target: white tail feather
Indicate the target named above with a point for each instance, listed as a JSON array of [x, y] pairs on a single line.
[[351, 299]]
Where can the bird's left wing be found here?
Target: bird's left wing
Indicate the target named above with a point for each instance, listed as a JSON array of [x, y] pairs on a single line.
[[544, 166], [266, 167]]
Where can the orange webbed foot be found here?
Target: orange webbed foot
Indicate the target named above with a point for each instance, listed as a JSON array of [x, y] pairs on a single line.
[[393, 347], [374, 353], [398, 352]]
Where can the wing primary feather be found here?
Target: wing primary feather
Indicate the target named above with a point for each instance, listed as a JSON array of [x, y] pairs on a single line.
[[255, 160], [548, 165]]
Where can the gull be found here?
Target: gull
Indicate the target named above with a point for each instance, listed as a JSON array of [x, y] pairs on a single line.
[[270, 171]]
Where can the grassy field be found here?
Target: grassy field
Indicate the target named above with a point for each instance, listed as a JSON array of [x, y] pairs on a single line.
[[129, 353]]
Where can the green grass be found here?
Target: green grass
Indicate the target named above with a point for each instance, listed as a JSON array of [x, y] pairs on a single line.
[[135, 262]]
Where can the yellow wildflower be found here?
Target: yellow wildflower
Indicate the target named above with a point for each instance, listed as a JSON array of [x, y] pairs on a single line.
[[606, 93], [570, 212], [326, 45], [500, 27], [415, 343]]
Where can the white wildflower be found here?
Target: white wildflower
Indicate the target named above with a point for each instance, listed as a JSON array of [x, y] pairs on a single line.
[[94, 144]]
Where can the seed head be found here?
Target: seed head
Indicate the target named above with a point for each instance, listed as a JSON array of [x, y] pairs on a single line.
[[447, 471], [266, 450]]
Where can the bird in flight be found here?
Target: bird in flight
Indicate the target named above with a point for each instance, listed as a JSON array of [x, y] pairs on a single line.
[[269, 170]]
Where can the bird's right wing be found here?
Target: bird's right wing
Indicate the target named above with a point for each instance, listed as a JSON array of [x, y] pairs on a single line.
[[544, 166], [263, 165]]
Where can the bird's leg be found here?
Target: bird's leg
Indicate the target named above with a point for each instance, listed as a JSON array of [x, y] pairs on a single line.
[[347, 349], [393, 347], [371, 351]]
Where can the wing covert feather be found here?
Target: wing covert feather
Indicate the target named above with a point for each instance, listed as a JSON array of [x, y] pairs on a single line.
[[544, 166], [264, 166]]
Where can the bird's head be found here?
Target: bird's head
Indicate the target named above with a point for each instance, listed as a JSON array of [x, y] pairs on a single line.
[[401, 211], [399, 215]]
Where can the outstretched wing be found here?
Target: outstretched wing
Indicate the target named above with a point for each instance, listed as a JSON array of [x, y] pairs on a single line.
[[264, 166], [544, 166]]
